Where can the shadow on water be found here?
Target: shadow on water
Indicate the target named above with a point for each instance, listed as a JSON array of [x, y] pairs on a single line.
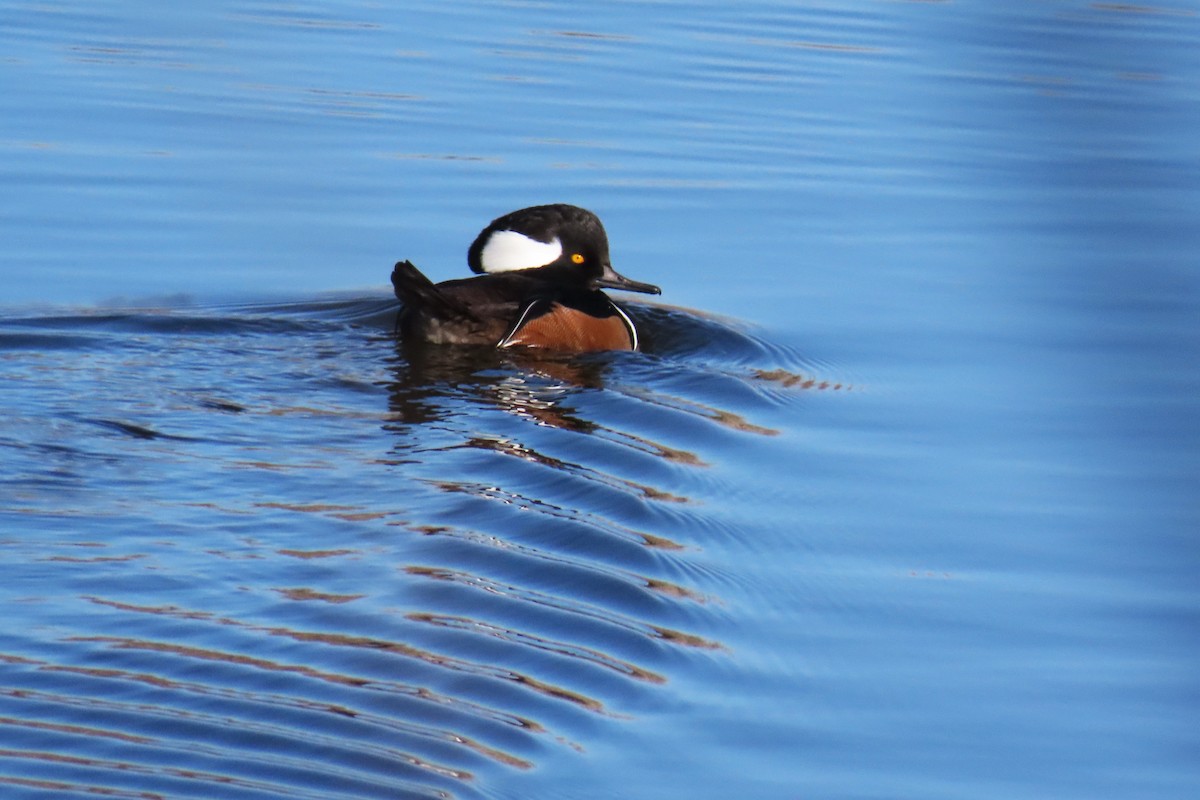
[[278, 553]]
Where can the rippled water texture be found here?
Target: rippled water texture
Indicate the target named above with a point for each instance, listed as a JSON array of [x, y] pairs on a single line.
[[899, 499], [273, 552]]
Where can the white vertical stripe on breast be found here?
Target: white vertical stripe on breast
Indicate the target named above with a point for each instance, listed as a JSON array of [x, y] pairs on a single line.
[[633, 337]]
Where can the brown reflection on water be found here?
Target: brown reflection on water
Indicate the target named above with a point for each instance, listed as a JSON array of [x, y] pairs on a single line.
[[119, 708], [277, 699], [517, 449], [674, 590], [371, 643], [196, 717], [344, 512], [651, 447], [73, 788], [95, 559], [720, 416], [538, 643], [559, 512], [795, 380], [75, 730], [302, 594], [307, 554], [447, 662], [552, 561], [129, 767], [576, 608]]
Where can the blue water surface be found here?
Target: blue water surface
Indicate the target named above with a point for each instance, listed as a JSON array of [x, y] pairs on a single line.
[[897, 501]]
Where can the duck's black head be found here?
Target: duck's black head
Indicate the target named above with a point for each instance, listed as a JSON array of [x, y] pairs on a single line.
[[560, 235]]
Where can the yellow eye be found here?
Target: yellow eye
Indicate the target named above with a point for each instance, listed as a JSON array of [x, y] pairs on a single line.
[[577, 258]]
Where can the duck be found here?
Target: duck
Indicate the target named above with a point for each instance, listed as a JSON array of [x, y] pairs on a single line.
[[540, 276]]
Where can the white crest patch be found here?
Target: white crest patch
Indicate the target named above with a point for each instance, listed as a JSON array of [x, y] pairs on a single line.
[[509, 250]]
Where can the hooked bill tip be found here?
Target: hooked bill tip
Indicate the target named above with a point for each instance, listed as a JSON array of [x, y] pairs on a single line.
[[611, 279]]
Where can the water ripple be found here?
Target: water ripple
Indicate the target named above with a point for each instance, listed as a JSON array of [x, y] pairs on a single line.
[[376, 569]]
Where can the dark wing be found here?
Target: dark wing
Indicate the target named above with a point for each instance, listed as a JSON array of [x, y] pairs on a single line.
[[418, 292]]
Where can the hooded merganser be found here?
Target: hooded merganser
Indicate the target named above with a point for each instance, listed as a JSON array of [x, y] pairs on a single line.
[[541, 270]]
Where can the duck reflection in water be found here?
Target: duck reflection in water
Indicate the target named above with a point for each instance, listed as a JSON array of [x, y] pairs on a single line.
[[429, 379], [537, 300]]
